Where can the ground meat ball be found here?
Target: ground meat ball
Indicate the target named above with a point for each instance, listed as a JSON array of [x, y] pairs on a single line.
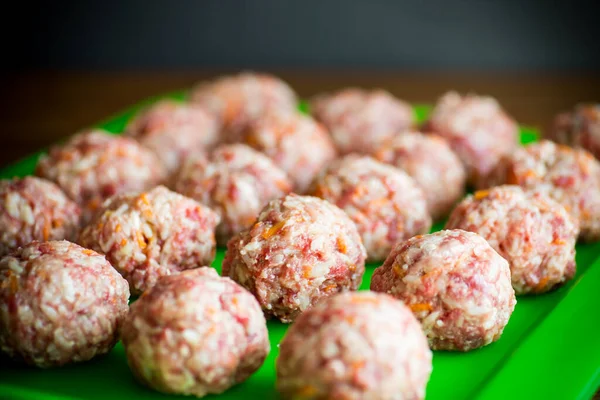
[[361, 120], [361, 345], [430, 161], [579, 128], [34, 209], [569, 176], [478, 130], [534, 234], [384, 202], [195, 333], [152, 234], [94, 165], [59, 304], [456, 285], [299, 251], [298, 144], [237, 100], [174, 130], [237, 183]]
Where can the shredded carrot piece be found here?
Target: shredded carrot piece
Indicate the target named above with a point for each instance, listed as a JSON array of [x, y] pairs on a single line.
[[530, 174], [417, 307], [141, 242], [123, 242], [306, 272], [89, 252], [93, 204], [542, 284], [350, 319], [57, 223], [144, 199], [234, 301], [273, 230], [558, 241], [358, 364], [118, 228], [481, 194], [341, 244], [46, 231]]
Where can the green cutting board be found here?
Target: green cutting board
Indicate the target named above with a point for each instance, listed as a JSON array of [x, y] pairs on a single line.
[[550, 349]]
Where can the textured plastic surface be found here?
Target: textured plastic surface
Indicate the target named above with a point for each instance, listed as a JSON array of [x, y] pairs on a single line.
[[550, 348]]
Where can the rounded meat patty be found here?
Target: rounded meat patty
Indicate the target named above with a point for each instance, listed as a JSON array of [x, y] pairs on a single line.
[[174, 130], [296, 143], [59, 304], [152, 234], [478, 130], [360, 345], [535, 234], [569, 176], [299, 251], [579, 128], [360, 121], [384, 202], [237, 100], [237, 183], [94, 165], [430, 161], [455, 283], [35, 209], [195, 333]]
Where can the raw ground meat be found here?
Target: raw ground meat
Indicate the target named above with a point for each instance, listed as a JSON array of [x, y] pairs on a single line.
[[59, 304], [385, 203], [174, 130], [35, 209], [430, 161], [478, 130], [569, 176], [533, 233], [152, 234], [195, 333], [237, 100], [579, 128], [237, 182], [299, 251], [455, 283], [94, 165], [361, 345], [295, 142], [360, 121]]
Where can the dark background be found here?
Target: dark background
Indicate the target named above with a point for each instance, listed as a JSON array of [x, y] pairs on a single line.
[[482, 35]]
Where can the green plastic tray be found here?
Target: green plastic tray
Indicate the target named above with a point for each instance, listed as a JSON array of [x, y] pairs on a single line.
[[549, 350]]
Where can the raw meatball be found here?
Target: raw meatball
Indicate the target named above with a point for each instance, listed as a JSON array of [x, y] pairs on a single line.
[[456, 285], [237, 183], [195, 333], [430, 161], [299, 251], [298, 145], [384, 202], [237, 100], [534, 234], [152, 234], [34, 209], [478, 130], [362, 120], [569, 176], [361, 345], [59, 304], [94, 165], [579, 128], [174, 130]]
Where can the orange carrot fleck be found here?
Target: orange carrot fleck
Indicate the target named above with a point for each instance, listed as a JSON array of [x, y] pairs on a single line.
[[541, 285], [481, 194], [341, 245], [89, 252], [118, 228], [418, 307], [46, 231], [123, 242], [273, 230], [558, 241]]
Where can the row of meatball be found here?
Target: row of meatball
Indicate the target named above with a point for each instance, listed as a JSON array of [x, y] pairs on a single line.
[[298, 252]]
